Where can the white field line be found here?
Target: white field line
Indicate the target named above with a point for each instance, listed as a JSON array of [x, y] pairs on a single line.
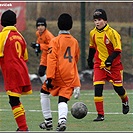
[[35, 95], [55, 111]]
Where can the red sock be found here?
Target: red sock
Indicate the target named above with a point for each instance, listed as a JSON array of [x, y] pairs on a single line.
[[99, 107], [125, 99], [19, 115]]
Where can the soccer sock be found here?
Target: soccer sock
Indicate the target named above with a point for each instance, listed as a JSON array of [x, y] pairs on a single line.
[[45, 105], [124, 98], [121, 93], [19, 115], [62, 111], [99, 105]]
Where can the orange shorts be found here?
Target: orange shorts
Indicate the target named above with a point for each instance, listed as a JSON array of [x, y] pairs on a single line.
[[60, 91]]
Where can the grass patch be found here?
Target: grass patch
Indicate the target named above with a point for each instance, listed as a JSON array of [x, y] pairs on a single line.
[[114, 119]]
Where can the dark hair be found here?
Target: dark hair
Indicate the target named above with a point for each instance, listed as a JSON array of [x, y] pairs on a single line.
[[8, 18], [100, 13], [65, 22]]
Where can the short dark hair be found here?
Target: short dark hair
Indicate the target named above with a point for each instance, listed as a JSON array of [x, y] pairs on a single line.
[[65, 22], [100, 13], [8, 18]]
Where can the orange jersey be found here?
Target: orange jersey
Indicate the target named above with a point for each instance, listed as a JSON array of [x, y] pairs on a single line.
[[13, 56], [62, 59], [44, 40]]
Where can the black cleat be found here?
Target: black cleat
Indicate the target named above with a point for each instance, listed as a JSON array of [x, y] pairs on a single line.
[[18, 130], [61, 126], [99, 118], [46, 125], [125, 107]]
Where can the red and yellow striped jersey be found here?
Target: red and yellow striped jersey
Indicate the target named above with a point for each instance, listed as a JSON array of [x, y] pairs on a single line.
[[13, 54], [105, 42]]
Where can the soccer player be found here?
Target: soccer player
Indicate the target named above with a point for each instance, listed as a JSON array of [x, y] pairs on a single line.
[[13, 58], [105, 47], [44, 37], [62, 72]]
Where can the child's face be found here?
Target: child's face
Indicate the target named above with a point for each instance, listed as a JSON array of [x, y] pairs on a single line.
[[41, 28], [99, 23]]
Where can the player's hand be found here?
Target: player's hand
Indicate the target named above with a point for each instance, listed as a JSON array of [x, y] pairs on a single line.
[[36, 46], [43, 78], [48, 84], [42, 70], [109, 61], [90, 64], [76, 92], [33, 44]]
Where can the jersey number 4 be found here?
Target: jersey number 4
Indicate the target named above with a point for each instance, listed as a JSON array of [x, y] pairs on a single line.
[[68, 55]]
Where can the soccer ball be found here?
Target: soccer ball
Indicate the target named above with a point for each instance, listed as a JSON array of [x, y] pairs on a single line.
[[79, 110]]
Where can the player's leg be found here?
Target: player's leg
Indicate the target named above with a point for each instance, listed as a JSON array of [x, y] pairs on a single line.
[[124, 98], [62, 113], [98, 100], [119, 89], [99, 81], [19, 113], [46, 110]]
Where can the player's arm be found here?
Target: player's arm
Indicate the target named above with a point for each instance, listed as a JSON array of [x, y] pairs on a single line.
[[52, 59], [116, 41], [111, 57], [77, 52], [90, 57], [43, 64], [45, 44], [91, 51], [51, 64]]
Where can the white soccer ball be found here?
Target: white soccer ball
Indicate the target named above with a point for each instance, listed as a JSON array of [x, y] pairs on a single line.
[[79, 110]]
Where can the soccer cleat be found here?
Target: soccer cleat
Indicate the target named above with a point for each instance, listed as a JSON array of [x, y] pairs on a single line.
[[46, 125], [18, 130], [125, 107], [99, 118], [61, 126]]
